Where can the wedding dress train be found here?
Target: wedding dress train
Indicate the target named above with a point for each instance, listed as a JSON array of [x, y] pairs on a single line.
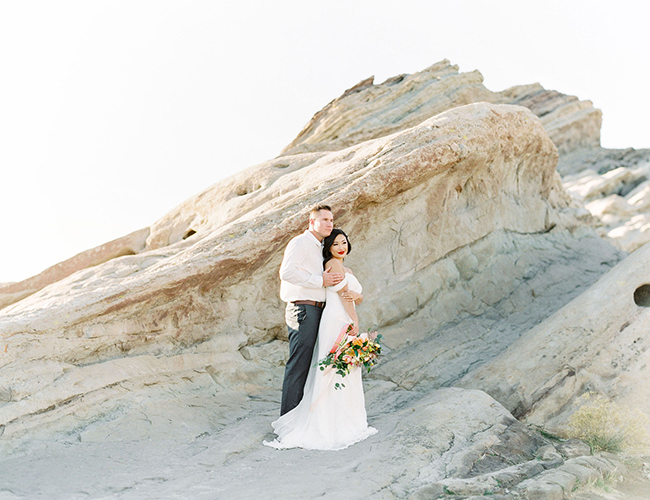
[[327, 418]]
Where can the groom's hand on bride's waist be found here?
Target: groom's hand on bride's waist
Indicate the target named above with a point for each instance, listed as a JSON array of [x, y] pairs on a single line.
[[330, 278]]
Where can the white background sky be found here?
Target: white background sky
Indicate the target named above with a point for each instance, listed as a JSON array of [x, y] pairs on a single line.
[[113, 112]]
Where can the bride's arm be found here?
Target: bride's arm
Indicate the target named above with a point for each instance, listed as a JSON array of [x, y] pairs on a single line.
[[351, 295], [337, 267]]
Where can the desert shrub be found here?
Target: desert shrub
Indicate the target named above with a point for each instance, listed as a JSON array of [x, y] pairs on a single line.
[[608, 426]]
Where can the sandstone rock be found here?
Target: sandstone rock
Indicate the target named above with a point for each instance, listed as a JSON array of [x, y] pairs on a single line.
[[545, 491], [562, 478], [596, 342], [479, 311], [490, 497], [184, 306], [601, 160], [582, 473], [368, 111], [469, 487], [571, 124], [613, 205], [615, 188], [591, 186], [600, 464], [573, 448], [631, 234], [615, 461], [428, 492], [171, 358], [446, 433], [574, 479], [127, 245], [547, 453], [492, 483], [364, 112]]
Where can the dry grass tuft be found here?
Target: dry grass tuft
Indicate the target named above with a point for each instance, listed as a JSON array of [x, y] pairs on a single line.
[[608, 426]]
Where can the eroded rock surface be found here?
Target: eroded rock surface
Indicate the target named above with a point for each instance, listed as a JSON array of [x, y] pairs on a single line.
[[364, 112], [190, 307], [598, 342], [161, 368], [448, 443], [127, 245], [614, 185], [368, 111]]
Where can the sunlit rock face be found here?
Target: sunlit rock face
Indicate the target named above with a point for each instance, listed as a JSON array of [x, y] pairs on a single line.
[[127, 245], [367, 110], [478, 268], [480, 177], [614, 185], [597, 343]]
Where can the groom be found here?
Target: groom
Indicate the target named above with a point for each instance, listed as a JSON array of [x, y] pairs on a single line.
[[303, 283]]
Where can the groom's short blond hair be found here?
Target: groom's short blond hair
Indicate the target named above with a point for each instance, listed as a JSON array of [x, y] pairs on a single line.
[[313, 213]]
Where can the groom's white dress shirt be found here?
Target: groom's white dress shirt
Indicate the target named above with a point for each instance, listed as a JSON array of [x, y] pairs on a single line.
[[301, 272]]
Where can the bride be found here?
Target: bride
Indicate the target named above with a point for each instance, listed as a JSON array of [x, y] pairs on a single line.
[[328, 418]]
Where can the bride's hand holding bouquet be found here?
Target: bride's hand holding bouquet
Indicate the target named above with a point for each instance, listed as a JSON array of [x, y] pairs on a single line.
[[350, 351]]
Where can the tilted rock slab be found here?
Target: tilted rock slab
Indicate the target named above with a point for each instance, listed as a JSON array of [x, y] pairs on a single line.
[[126, 245], [598, 342], [614, 186], [364, 112], [368, 111], [207, 305], [472, 304]]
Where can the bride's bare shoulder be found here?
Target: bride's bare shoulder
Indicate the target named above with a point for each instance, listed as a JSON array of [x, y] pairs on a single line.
[[335, 265]]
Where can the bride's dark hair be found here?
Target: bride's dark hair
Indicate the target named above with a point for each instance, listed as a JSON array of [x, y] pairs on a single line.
[[329, 241]]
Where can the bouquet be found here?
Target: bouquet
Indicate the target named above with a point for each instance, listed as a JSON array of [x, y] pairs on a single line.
[[351, 351]]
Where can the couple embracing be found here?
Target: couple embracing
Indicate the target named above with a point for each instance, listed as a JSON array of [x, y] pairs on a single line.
[[320, 410]]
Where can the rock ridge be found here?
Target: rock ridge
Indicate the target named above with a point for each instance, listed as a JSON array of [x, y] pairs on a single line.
[[368, 111], [162, 366], [216, 291]]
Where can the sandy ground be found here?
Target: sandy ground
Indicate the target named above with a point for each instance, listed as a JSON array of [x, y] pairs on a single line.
[[232, 464], [635, 485]]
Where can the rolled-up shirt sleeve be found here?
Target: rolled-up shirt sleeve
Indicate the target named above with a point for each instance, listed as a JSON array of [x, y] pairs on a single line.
[[294, 270]]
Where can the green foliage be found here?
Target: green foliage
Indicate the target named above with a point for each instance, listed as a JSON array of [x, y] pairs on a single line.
[[448, 491], [349, 352], [549, 435], [602, 483]]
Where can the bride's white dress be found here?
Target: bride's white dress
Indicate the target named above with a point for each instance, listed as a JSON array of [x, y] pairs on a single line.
[[327, 418]]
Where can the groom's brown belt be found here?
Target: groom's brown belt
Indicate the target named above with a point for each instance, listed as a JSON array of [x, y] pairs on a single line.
[[309, 303]]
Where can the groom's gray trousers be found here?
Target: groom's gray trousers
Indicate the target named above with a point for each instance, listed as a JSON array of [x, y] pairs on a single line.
[[302, 323]]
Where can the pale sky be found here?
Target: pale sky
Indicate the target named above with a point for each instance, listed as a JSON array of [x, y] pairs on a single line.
[[113, 112]]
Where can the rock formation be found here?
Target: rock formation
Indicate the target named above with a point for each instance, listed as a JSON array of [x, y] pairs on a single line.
[[127, 245], [478, 268], [597, 342], [454, 181], [614, 186], [368, 111]]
